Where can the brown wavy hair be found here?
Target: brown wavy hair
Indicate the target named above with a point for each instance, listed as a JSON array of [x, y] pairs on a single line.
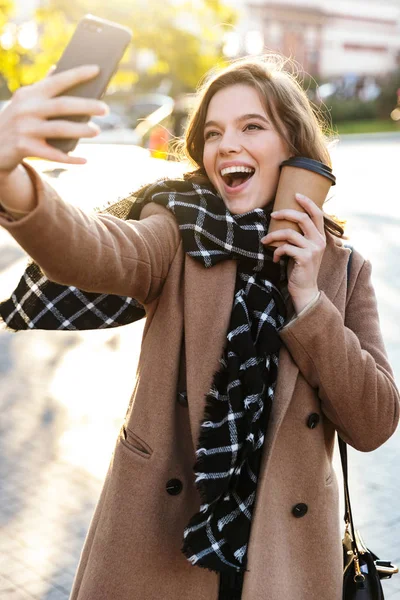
[[295, 119]]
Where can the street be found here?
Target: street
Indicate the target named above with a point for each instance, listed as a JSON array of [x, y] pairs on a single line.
[[64, 394]]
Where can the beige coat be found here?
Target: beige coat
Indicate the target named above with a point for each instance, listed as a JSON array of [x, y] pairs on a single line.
[[332, 364]]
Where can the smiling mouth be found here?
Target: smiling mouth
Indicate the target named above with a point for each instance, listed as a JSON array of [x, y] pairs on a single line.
[[234, 180]]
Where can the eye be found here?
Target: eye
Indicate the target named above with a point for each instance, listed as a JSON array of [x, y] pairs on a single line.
[[210, 134], [253, 127]]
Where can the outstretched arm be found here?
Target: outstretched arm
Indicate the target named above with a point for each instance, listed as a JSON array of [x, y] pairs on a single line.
[[97, 252], [92, 252], [38, 303]]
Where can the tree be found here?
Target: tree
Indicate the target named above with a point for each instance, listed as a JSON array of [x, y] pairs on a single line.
[[6, 11], [6, 8], [184, 39]]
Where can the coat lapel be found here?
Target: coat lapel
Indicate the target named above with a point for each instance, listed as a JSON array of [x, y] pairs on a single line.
[[208, 295]]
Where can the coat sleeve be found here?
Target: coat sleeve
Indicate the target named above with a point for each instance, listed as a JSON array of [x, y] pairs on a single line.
[[97, 252], [347, 363]]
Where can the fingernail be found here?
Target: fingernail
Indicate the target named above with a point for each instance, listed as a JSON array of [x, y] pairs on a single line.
[[92, 68], [95, 127], [300, 196], [274, 213]]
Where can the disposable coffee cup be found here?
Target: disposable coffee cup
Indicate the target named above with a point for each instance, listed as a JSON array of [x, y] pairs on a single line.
[[303, 175]]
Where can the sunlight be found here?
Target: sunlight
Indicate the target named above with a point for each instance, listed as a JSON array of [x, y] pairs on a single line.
[[132, 168], [96, 397], [10, 277], [254, 42], [395, 114], [43, 349], [231, 46], [28, 35], [80, 447], [8, 36]]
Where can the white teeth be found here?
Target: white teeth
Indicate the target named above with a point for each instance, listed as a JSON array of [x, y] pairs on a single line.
[[236, 170]]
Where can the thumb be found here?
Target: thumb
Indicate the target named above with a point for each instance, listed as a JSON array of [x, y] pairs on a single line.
[[51, 70]]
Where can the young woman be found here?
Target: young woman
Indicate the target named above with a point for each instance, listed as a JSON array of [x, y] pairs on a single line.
[[252, 357]]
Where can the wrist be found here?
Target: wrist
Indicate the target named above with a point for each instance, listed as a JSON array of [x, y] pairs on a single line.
[[17, 192], [5, 178], [302, 301]]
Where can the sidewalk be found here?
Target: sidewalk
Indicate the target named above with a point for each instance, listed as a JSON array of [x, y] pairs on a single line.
[[388, 136], [56, 438]]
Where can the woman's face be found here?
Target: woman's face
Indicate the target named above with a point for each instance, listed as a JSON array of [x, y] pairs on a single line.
[[242, 150]]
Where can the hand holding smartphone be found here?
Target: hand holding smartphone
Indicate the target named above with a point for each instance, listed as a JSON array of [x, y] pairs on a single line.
[[98, 42]]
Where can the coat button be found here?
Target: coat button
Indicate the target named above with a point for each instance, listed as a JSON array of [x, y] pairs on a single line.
[[299, 510], [174, 487], [313, 420], [182, 398]]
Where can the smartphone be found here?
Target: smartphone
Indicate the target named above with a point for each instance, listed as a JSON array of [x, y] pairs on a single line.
[[95, 42]]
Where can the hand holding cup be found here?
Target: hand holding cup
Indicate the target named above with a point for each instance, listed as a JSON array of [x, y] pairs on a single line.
[[305, 250], [300, 175]]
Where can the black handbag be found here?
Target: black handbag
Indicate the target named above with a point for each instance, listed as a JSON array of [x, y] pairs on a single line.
[[362, 569]]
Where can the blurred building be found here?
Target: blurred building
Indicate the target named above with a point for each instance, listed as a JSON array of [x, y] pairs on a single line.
[[327, 38]]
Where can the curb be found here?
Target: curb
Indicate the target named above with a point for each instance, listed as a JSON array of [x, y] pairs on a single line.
[[379, 135]]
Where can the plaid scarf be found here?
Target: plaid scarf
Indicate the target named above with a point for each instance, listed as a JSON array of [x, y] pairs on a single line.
[[239, 402], [38, 303]]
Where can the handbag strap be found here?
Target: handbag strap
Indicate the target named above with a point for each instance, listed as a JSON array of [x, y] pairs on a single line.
[[348, 515]]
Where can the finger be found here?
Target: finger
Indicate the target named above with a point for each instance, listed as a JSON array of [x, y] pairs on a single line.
[[288, 250], [39, 149], [290, 235], [58, 83], [70, 105], [313, 210], [303, 219], [51, 70], [62, 129], [309, 208]]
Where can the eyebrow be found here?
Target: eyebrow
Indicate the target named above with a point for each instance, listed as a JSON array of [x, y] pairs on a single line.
[[240, 119]]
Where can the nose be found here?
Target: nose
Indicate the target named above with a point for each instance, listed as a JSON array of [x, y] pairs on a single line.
[[229, 143]]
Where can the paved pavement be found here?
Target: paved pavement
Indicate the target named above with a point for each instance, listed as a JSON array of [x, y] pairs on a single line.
[[64, 394]]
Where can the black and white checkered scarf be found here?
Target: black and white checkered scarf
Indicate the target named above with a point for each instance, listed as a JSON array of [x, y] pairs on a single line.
[[239, 402], [38, 303]]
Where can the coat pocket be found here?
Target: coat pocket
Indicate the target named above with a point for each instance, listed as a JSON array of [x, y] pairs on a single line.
[[134, 443]]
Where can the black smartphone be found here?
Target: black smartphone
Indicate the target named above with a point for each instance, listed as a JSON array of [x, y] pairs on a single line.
[[94, 42]]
